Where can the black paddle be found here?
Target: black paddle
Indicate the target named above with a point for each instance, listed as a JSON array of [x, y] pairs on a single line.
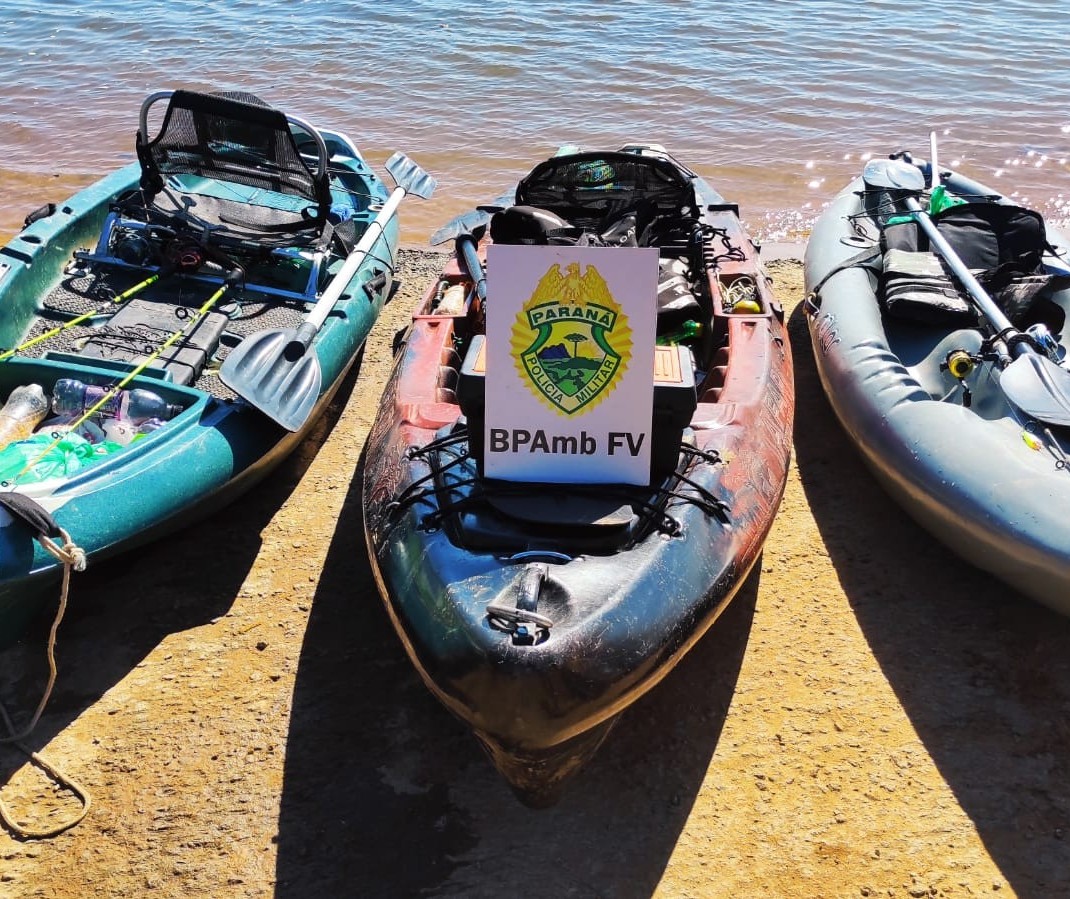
[[1032, 382], [467, 248], [273, 370], [468, 223]]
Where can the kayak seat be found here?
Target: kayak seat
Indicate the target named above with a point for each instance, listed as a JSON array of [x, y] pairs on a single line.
[[228, 165], [918, 288], [551, 518], [530, 226], [565, 509], [593, 189], [612, 225], [1002, 244]]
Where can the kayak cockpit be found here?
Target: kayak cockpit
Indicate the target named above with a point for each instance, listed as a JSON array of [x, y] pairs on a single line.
[[539, 598], [233, 221], [490, 515], [934, 332], [714, 304]]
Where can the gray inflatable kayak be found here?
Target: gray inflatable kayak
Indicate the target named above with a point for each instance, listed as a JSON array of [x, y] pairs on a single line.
[[962, 421]]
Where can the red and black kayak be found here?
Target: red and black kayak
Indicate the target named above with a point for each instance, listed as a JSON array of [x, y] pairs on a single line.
[[538, 612]]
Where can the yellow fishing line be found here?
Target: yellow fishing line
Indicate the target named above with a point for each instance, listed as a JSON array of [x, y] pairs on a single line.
[[112, 391], [41, 338]]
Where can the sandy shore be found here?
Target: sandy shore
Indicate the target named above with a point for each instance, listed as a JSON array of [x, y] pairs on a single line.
[[871, 717]]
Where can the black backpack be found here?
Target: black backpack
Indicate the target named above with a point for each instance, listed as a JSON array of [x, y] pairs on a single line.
[[1000, 243]]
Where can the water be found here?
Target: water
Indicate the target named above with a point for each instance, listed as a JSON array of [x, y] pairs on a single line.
[[777, 103]]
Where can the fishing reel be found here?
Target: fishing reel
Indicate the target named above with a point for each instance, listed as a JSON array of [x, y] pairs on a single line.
[[960, 365], [183, 256], [133, 248], [138, 244], [144, 247]]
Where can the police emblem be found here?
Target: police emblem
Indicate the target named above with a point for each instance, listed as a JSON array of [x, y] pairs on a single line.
[[571, 342]]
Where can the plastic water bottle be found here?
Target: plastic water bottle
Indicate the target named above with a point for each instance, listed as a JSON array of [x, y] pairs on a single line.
[[58, 425], [72, 397], [25, 408], [125, 432]]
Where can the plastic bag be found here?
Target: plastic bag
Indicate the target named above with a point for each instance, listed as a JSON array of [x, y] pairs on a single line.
[[71, 454]]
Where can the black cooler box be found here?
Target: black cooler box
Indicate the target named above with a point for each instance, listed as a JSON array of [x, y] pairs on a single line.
[[675, 400]]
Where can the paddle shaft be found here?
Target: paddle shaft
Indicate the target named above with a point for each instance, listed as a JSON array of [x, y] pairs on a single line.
[[466, 244], [308, 329], [978, 294], [274, 371], [1032, 382]]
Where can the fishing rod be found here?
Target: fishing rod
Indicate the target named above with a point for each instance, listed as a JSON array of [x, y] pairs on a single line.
[[232, 278], [77, 320], [187, 257]]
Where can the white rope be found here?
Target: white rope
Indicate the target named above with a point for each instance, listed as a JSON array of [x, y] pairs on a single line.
[[72, 557]]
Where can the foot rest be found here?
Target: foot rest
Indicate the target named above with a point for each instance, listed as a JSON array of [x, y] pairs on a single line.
[[137, 330]]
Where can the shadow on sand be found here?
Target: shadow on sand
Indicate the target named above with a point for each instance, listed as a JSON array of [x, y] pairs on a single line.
[[386, 794], [982, 673], [120, 610]]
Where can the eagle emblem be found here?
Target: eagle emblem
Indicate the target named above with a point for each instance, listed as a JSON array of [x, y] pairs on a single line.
[[571, 341]]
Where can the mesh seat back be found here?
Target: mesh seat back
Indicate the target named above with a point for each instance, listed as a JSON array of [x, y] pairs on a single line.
[[233, 138], [588, 188]]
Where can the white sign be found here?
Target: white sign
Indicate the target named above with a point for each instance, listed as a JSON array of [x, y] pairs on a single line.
[[570, 357]]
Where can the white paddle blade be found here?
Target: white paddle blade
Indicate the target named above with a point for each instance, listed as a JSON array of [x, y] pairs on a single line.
[[893, 174], [1039, 387], [410, 177], [259, 372]]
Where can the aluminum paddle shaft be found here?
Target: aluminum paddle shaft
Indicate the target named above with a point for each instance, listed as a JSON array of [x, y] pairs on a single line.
[[308, 329], [278, 371], [980, 296], [411, 179], [1032, 382]]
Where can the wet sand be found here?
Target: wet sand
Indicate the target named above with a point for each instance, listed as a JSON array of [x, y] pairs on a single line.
[[871, 717]]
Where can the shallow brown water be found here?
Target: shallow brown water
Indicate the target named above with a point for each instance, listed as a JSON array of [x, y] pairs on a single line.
[[777, 104]]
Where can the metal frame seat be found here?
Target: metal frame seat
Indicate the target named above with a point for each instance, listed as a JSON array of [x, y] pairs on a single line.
[[233, 169]]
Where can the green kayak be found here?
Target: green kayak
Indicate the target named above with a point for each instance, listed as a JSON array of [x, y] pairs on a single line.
[[174, 330]]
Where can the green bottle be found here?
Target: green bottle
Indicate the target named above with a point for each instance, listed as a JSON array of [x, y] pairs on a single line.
[[687, 331]]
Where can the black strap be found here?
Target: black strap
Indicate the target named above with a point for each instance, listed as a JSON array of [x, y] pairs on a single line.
[[41, 212], [30, 513], [305, 224], [865, 259]]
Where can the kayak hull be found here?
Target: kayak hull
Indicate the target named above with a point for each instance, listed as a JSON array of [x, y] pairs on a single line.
[[540, 703], [972, 475], [218, 446]]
